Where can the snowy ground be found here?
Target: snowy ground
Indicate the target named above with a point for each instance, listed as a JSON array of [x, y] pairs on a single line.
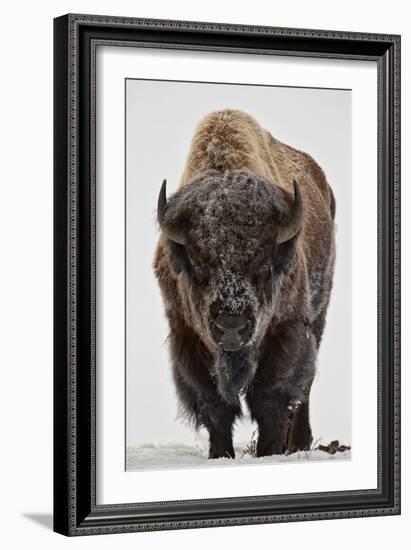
[[166, 456]]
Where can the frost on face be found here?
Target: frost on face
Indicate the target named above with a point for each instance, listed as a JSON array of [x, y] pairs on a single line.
[[233, 292], [230, 217]]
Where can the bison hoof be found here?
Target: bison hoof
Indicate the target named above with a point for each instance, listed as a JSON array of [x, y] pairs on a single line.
[[300, 442], [221, 453], [268, 449]]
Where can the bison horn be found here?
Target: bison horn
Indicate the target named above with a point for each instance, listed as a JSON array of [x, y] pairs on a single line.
[[171, 232], [295, 219]]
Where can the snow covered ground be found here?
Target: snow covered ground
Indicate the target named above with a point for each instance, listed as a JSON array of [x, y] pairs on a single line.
[[167, 456]]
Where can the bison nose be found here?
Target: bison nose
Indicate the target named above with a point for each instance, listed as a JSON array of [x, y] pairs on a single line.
[[232, 331]]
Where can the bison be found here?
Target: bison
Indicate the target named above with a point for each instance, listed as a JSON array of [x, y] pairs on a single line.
[[245, 263]]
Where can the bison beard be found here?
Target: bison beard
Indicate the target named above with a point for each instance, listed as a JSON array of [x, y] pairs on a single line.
[[233, 372]]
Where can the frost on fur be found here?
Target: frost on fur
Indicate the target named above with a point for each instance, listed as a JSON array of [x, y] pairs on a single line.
[[245, 264]]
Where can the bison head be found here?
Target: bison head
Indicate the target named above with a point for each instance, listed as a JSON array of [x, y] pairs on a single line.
[[230, 240]]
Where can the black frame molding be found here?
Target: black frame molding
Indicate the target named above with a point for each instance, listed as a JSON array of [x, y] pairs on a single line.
[[75, 40]]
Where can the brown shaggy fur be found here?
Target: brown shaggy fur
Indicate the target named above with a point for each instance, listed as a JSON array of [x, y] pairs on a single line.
[[237, 185]]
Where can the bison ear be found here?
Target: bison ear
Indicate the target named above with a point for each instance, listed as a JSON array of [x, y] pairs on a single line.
[[294, 221], [170, 230]]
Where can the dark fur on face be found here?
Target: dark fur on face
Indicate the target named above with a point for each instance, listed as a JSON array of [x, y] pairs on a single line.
[[232, 269]]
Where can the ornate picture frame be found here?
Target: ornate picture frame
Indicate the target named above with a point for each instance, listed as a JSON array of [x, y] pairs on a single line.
[[76, 38]]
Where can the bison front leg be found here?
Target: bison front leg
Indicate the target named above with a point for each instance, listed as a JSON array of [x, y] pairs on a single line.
[[207, 409], [198, 394], [269, 410], [283, 424], [299, 435], [278, 397], [218, 418]]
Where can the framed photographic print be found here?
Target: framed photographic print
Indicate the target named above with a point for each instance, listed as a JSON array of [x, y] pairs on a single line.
[[227, 278]]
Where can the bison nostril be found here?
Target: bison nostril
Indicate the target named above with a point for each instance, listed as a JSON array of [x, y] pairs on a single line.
[[219, 330], [243, 330]]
